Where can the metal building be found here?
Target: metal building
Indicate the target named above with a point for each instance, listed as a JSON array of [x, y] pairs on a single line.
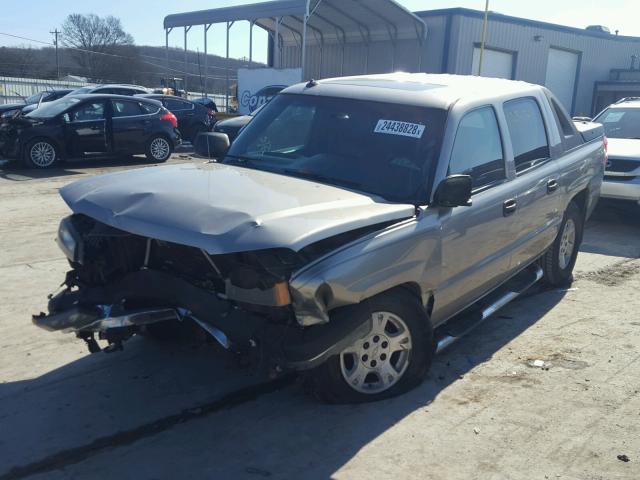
[[324, 38], [582, 67]]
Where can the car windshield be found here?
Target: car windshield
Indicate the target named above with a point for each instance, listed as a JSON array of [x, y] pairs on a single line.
[[51, 109], [377, 148], [33, 98], [620, 122]]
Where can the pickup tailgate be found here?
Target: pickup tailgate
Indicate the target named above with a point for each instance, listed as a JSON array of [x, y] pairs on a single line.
[[589, 130]]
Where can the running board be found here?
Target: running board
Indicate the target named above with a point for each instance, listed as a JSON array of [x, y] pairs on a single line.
[[458, 326]]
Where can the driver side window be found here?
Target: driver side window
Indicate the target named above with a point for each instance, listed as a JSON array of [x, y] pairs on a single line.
[[288, 131], [477, 149], [87, 112]]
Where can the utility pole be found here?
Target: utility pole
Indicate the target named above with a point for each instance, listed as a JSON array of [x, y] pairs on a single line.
[[55, 42], [484, 36]]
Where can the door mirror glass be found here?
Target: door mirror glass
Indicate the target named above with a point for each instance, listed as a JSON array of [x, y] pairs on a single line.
[[454, 191], [212, 144]]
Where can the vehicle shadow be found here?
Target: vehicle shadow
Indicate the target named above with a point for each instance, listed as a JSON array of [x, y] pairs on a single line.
[[293, 437], [15, 171], [613, 230]]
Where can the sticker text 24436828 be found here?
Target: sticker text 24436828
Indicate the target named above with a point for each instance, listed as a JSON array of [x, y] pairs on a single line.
[[394, 127]]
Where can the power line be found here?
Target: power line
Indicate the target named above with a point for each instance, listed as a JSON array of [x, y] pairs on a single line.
[[114, 54]]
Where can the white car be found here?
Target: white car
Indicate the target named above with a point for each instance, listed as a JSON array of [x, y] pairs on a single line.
[[621, 123]]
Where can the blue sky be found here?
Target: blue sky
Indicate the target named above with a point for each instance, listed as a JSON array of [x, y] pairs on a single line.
[[143, 18]]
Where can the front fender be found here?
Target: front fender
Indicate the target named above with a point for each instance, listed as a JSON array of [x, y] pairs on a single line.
[[408, 252]]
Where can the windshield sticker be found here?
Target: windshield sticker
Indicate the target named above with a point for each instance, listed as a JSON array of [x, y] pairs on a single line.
[[393, 127]]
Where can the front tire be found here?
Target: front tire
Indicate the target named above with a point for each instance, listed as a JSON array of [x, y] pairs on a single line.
[[391, 359], [158, 149], [559, 260], [41, 153]]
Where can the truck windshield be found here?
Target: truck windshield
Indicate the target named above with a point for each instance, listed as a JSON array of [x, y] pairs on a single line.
[[620, 122], [384, 149]]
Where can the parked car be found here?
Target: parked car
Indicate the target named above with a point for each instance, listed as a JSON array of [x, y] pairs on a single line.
[[621, 123], [351, 231], [193, 118], [31, 103], [113, 89], [83, 125], [232, 126], [207, 102]]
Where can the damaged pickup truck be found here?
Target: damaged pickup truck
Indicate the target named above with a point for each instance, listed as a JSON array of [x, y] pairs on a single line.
[[356, 227]]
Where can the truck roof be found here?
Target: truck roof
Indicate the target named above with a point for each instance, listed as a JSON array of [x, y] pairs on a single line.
[[420, 89]]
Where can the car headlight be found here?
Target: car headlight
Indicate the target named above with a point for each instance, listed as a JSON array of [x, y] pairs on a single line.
[[69, 240], [10, 113]]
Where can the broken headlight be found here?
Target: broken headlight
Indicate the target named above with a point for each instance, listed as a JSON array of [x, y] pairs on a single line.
[[69, 240]]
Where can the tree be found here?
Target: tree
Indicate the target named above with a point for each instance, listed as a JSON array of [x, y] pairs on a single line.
[[104, 36]]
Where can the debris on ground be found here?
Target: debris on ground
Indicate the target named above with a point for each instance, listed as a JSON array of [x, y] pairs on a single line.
[[623, 458]]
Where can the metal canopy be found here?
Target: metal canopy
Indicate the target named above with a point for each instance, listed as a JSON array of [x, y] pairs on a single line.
[[337, 20], [301, 23]]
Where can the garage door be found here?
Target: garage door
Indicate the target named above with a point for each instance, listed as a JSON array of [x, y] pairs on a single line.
[[562, 67], [494, 64]]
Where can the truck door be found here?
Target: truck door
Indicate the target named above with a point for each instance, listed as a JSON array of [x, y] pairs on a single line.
[[86, 128], [476, 239], [537, 181]]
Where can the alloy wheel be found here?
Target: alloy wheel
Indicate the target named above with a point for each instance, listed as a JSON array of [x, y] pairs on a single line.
[[42, 154], [159, 148], [567, 244], [376, 362]]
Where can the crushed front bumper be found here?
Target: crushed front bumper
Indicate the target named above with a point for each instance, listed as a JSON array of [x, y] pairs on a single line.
[[162, 297]]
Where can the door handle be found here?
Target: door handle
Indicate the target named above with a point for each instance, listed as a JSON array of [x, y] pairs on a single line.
[[552, 185], [509, 207]]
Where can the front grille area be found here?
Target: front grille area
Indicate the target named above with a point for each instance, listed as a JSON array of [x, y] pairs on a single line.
[[622, 166]]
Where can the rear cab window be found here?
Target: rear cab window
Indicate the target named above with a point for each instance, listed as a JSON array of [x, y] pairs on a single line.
[[570, 136], [477, 149], [527, 132]]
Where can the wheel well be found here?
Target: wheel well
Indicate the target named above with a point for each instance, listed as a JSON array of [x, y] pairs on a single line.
[[414, 289], [580, 199]]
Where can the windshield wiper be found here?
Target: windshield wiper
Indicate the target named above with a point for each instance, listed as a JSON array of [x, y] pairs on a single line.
[[322, 178], [241, 159]]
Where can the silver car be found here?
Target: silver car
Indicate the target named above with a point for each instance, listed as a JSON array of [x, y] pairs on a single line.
[[356, 227], [621, 123]]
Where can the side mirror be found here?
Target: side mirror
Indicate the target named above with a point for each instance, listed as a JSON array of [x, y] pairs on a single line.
[[212, 144], [454, 191]]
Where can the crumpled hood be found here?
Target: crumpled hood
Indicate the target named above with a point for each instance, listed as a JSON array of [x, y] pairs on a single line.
[[225, 209], [625, 148]]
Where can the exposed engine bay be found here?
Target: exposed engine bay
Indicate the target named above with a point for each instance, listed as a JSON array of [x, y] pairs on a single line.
[[120, 283]]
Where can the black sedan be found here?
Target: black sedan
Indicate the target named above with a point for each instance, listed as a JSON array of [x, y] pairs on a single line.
[[83, 125], [193, 118], [31, 103], [232, 126]]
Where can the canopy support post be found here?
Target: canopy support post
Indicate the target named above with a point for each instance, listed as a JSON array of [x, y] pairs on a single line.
[[206, 61], [186, 58], [251, 23], [167, 31]]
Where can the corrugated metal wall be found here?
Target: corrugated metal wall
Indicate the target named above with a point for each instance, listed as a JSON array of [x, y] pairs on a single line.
[[598, 54], [378, 57]]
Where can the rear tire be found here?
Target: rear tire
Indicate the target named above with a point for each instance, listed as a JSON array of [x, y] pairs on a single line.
[[158, 149], [41, 153], [390, 360], [558, 262]]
